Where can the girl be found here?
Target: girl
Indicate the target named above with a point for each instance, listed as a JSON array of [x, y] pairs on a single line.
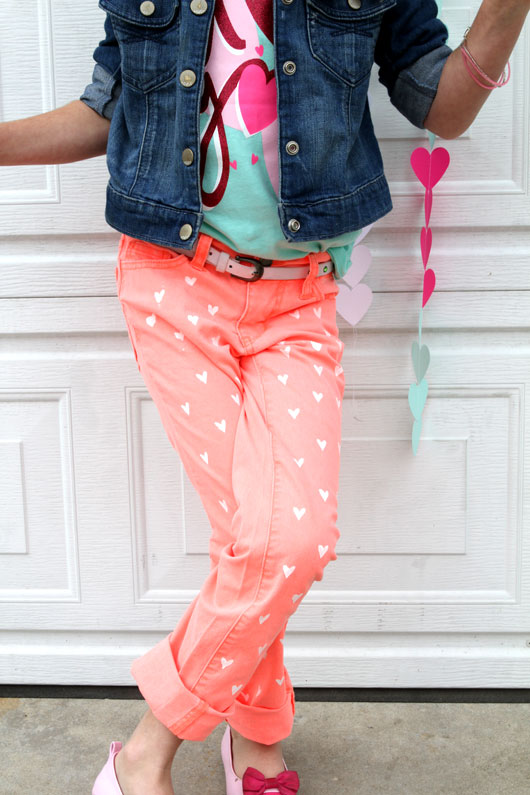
[[243, 165]]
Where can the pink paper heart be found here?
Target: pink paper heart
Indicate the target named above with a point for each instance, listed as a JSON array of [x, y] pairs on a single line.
[[257, 98], [255, 159], [363, 233], [233, 163], [426, 244], [259, 49], [361, 259], [353, 304], [429, 167], [429, 283]]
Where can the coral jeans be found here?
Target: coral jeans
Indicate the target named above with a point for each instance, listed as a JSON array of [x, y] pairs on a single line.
[[247, 380]]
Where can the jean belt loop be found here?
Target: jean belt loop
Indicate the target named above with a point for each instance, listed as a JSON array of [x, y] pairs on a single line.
[[201, 252], [310, 287]]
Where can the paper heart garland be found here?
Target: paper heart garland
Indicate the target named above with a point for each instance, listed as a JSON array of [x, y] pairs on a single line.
[[429, 167], [420, 359], [354, 299]]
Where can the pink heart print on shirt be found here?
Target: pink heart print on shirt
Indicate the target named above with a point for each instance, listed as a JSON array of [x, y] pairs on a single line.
[[256, 95], [239, 92]]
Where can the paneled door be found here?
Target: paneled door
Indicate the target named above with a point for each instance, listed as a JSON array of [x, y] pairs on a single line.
[[103, 541]]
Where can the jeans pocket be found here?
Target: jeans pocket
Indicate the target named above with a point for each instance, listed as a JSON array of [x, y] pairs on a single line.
[[134, 252]]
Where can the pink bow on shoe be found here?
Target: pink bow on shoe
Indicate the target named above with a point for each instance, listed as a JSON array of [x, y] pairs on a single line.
[[255, 783]]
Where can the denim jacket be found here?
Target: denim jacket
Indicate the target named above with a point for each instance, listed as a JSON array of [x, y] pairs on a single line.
[[148, 79]]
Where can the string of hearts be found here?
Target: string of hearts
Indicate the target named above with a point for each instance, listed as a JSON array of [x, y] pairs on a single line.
[[354, 298], [429, 167]]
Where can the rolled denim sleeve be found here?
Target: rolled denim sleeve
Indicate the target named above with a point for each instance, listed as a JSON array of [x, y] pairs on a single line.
[[102, 93], [411, 52]]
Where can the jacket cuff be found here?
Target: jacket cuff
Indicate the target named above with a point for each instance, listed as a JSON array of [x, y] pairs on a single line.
[[102, 93], [416, 86]]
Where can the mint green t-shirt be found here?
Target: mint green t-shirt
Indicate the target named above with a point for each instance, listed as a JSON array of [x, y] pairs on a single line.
[[239, 142]]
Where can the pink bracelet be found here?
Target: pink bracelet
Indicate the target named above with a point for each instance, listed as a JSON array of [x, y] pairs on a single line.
[[468, 58]]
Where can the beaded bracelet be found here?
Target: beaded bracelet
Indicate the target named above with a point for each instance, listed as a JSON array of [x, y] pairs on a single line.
[[466, 55]]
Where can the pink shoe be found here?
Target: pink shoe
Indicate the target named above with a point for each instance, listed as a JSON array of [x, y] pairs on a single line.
[[107, 781], [253, 782]]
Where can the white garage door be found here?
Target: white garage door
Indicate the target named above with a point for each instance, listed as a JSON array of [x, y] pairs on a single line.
[[103, 541]]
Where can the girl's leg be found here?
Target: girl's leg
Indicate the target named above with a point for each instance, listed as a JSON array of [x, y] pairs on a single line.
[[144, 762], [141, 270], [240, 353]]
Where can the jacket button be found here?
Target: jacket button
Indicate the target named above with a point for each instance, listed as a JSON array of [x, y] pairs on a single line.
[[292, 147], [187, 157], [355, 3], [289, 67], [147, 8], [185, 231], [187, 77], [294, 225], [287, 2], [198, 6]]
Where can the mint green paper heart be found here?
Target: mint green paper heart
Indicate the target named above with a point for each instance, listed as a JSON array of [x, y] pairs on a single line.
[[416, 433], [420, 359], [417, 397]]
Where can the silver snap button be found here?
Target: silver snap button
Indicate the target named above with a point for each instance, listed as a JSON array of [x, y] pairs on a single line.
[[355, 3], [287, 2], [198, 6], [187, 157], [185, 231], [147, 8], [292, 147], [294, 225], [289, 67], [188, 77]]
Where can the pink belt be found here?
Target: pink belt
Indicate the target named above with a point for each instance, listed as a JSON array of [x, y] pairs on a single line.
[[261, 268]]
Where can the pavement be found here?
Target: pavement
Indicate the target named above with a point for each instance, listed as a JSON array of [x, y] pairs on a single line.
[[57, 746]]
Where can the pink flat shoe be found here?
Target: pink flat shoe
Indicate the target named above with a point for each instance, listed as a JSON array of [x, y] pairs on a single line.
[[254, 782], [107, 781]]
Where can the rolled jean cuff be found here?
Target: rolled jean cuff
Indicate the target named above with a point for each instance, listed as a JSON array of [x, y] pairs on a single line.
[[264, 725], [170, 701]]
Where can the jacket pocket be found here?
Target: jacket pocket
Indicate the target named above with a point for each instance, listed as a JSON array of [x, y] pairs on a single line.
[[342, 38], [148, 43]]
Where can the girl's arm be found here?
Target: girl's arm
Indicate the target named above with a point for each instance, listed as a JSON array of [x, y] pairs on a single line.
[[76, 131], [490, 41], [64, 135]]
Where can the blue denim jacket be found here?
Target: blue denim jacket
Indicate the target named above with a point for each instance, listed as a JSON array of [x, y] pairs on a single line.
[[148, 79]]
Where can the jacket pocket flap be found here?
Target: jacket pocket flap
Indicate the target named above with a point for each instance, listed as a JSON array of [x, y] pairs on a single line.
[[130, 11], [341, 9]]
